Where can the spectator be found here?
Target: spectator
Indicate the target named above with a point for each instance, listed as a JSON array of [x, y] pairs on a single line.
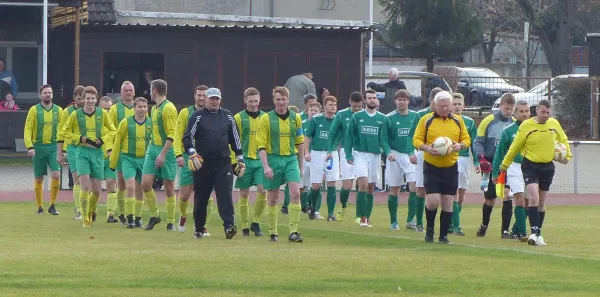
[[144, 86], [8, 103], [323, 92], [298, 86], [8, 77], [390, 88]]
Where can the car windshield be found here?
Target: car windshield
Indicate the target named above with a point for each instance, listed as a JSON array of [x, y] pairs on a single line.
[[483, 76]]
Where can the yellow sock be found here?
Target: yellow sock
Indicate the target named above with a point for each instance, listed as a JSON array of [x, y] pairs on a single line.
[[120, 201], [294, 211], [272, 212], [209, 211], [85, 205], [139, 206], [183, 205], [54, 187], [244, 212], [93, 203], [76, 197], [171, 203], [39, 198], [129, 206], [259, 207], [151, 200], [111, 204]]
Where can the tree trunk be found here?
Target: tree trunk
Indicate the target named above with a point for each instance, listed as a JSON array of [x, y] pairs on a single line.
[[488, 47], [430, 64]]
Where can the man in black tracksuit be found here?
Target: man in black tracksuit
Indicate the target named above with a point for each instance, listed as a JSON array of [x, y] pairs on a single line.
[[213, 130]]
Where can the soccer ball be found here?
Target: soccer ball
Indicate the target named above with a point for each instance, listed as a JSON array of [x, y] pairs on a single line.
[[443, 145], [560, 151]]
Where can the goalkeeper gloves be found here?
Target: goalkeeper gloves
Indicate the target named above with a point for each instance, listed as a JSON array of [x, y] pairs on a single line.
[[195, 161], [239, 168], [485, 166]]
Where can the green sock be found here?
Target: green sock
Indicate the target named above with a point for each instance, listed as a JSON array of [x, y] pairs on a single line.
[[358, 206], [393, 208], [361, 204], [344, 195], [412, 205], [420, 210], [520, 220], [370, 201], [286, 197], [319, 201], [331, 201], [455, 215], [313, 197], [304, 199]]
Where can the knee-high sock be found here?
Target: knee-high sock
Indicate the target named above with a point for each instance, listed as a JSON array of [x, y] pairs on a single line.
[[344, 195], [534, 219], [151, 201], [111, 204], [259, 207], [330, 201], [412, 206], [121, 201], [84, 197], [272, 212], [313, 197], [370, 201], [93, 203], [209, 209], [445, 220], [430, 215], [139, 207], [487, 214], [244, 212], [319, 201], [507, 210], [294, 212], [542, 217], [286, 196], [171, 204], [361, 204], [520, 226], [304, 198], [54, 187], [393, 208], [420, 210], [39, 198], [455, 215], [129, 206], [76, 197], [183, 205]]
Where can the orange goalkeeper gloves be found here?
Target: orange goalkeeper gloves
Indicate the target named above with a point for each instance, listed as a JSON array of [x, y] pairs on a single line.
[[195, 162]]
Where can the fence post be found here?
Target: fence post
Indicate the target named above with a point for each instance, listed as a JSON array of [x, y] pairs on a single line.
[[575, 165]]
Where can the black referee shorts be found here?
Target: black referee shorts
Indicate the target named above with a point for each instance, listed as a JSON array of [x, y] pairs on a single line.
[[538, 173], [440, 180]]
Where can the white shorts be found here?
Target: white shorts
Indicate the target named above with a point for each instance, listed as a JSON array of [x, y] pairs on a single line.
[[367, 165], [396, 171], [346, 168], [514, 178], [305, 179], [419, 170], [463, 172], [318, 166]]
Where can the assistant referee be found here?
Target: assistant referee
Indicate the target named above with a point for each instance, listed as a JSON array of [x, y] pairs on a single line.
[[213, 130], [440, 172]]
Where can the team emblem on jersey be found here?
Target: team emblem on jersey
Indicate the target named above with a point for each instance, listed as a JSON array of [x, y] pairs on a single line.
[[149, 129], [56, 115], [99, 119]]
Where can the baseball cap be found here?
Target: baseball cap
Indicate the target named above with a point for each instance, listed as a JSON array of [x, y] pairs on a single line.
[[440, 96], [213, 92]]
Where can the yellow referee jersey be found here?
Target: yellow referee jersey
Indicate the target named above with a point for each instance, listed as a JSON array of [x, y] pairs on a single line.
[[431, 126]]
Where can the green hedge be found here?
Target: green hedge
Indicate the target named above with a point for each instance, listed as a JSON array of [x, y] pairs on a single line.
[[571, 105]]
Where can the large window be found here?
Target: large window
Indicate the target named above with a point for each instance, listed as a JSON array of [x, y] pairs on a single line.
[[139, 68], [23, 60]]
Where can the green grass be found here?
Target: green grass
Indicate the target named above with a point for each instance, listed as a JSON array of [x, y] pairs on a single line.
[[16, 161], [54, 256]]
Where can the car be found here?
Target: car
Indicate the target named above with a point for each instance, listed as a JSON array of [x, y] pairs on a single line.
[[482, 86], [414, 84], [536, 93]]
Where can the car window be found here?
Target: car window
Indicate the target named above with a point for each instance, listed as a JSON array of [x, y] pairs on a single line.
[[540, 89], [483, 76]]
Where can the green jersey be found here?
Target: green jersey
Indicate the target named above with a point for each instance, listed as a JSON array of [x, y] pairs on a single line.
[[363, 133], [338, 129], [506, 139], [420, 114], [472, 130], [318, 132], [394, 135]]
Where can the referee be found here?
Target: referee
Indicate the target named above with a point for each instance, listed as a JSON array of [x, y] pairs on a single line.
[[440, 172], [213, 130]]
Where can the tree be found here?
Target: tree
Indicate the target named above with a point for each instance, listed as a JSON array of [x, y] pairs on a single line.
[[430, 29]]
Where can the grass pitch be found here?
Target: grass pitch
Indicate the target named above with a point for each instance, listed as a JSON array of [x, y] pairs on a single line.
[[54, 256]]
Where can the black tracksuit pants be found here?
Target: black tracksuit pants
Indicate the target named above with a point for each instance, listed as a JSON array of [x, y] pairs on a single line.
[[217, 175]]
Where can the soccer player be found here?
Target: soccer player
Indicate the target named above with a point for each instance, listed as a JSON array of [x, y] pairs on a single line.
[[308, 205], [71, 148], [398, 148], [117, 113], [41, 138], [419, 201], [535, 139], [309, 99], [160, 156], [514, 175], [337, 138], [458, 103], [186, 176], [131, 142], [488, 135], [280, 145], [109, 175], [440, 171], [89, 127], [363, 150], [316, 146], [247, 122]]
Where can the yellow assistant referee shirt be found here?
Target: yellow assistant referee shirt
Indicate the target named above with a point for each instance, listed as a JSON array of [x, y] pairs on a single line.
[[431, 126]]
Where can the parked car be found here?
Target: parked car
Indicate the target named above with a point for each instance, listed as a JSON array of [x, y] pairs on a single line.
[[482, 86], [536, 93]]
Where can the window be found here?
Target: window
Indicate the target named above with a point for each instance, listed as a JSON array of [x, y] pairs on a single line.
[[24, 60], [135, 67]]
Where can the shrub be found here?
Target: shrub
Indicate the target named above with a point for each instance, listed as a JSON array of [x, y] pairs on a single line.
[[571, 105]]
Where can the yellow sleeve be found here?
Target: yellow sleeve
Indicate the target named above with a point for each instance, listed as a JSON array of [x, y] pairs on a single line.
[[70, 126], [112, 114], [170, 121], [238, 122], [232, 156], [516, 145], [30, 124], [299, 132], [484, 124], [182, 121], [61, 124], [562, 138], [419, 137], [116, 149], [262, 135], [464, 134], [108, 131]]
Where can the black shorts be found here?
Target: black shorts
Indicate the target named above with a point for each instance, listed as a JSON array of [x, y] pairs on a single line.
[[538, 173], [440, 180]]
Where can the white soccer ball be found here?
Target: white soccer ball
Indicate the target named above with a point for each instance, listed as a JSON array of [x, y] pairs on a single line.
[[560, 151], [443, 145]]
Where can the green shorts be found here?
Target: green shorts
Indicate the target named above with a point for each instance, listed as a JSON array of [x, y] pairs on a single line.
[[186, 176], [45, 156], [169, 169], [108, 174], [90, 161], [132, 167], [253, 177], [72, 157], [285, 170], [119, 164]]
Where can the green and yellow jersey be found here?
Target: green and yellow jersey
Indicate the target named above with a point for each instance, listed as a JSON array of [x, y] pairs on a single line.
[[93, 126], [132, 139], [164, 123], [61, 124], [279, 135], [42, 125], [182, 122], [247, 124], [119, 112]]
